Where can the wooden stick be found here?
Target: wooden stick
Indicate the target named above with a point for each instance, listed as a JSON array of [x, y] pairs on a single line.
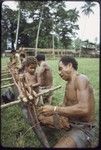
[[32, 114], [5, 71], [18, 85], [4, 66], [5, 74], [8, 85], [41, 93], [48, 90], [6, 79], [10, 104]]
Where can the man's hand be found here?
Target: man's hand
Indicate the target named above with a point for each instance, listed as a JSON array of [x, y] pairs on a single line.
[[46, 110]]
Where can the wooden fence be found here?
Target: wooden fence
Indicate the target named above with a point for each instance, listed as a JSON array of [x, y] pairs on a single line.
[[48, 52]]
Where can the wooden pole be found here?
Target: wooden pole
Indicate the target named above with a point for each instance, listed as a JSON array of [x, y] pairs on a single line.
[[6, 79], [5, 86], [48, 90], [5, 72], [18, 23], [10, 104], [41, 93], [37, 37]]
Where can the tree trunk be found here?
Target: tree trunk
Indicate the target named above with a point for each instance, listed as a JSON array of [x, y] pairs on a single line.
[[18, 23], [37, 37]]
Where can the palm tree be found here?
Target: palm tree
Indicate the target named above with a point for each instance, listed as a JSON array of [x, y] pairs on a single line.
[[87, 10]]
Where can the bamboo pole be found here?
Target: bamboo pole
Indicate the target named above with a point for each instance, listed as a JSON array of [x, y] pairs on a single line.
[[5, 72], [10, 104], [37, 37], [41, 93], [48, 90], [5, 86], [18, 24], [6, 79]]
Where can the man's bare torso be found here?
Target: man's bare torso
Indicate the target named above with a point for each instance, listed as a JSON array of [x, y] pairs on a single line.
[[71, 99]]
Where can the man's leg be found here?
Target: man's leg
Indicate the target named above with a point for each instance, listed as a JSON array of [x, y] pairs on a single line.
[[66, 142], [49, 99]]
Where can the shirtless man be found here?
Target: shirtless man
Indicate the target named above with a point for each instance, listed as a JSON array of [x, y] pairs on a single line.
[[45, 78], [15, 62], [78, 107], [22, 54]]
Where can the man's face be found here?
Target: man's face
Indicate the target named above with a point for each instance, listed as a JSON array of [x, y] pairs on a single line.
[[65, 71], [31, 68]]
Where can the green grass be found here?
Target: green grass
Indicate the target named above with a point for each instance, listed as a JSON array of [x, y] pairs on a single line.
[[13, 125]]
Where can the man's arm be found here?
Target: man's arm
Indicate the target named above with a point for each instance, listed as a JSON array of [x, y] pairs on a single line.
[[35, 85], [82, 107]]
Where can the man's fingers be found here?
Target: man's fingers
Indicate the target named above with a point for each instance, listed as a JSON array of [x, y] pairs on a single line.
[[40, 109]]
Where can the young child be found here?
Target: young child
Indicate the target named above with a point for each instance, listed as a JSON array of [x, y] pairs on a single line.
[[31, 81], [30, 74], [45, 77]]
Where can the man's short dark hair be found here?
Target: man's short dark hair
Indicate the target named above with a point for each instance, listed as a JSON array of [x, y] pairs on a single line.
[[22, 55], [30, 60], [13, 51], [40, 57], [69, 59]]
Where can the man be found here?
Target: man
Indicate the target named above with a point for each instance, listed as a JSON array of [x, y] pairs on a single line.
[[45, 77], [15, 61], [78, 107], [22, 54]]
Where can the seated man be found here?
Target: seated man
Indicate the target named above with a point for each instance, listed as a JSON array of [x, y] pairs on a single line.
[[78, 107], [45, 77]]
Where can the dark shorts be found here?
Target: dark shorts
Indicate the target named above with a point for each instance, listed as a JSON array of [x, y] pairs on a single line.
[[83, 136]]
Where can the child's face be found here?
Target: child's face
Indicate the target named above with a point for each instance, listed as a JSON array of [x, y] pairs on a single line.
[[31, 68]]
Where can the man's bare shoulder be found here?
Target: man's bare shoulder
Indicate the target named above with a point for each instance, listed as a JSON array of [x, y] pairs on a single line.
[[37, 69], [82, 81], [82, 77], [44, 64]]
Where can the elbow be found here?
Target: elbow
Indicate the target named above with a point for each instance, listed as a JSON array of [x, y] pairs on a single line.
[[84, 110]]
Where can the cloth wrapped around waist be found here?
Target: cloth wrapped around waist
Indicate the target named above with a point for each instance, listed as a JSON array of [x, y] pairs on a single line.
[[83, 124]]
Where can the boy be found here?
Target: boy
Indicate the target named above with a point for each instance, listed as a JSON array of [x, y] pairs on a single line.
[[30, 74], [31, 81]]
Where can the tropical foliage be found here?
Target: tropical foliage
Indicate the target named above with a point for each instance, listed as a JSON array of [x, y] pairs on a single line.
[[47, 18], [55, 17]]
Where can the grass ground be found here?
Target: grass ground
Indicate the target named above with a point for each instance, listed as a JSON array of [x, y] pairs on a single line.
[[13, 125]]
